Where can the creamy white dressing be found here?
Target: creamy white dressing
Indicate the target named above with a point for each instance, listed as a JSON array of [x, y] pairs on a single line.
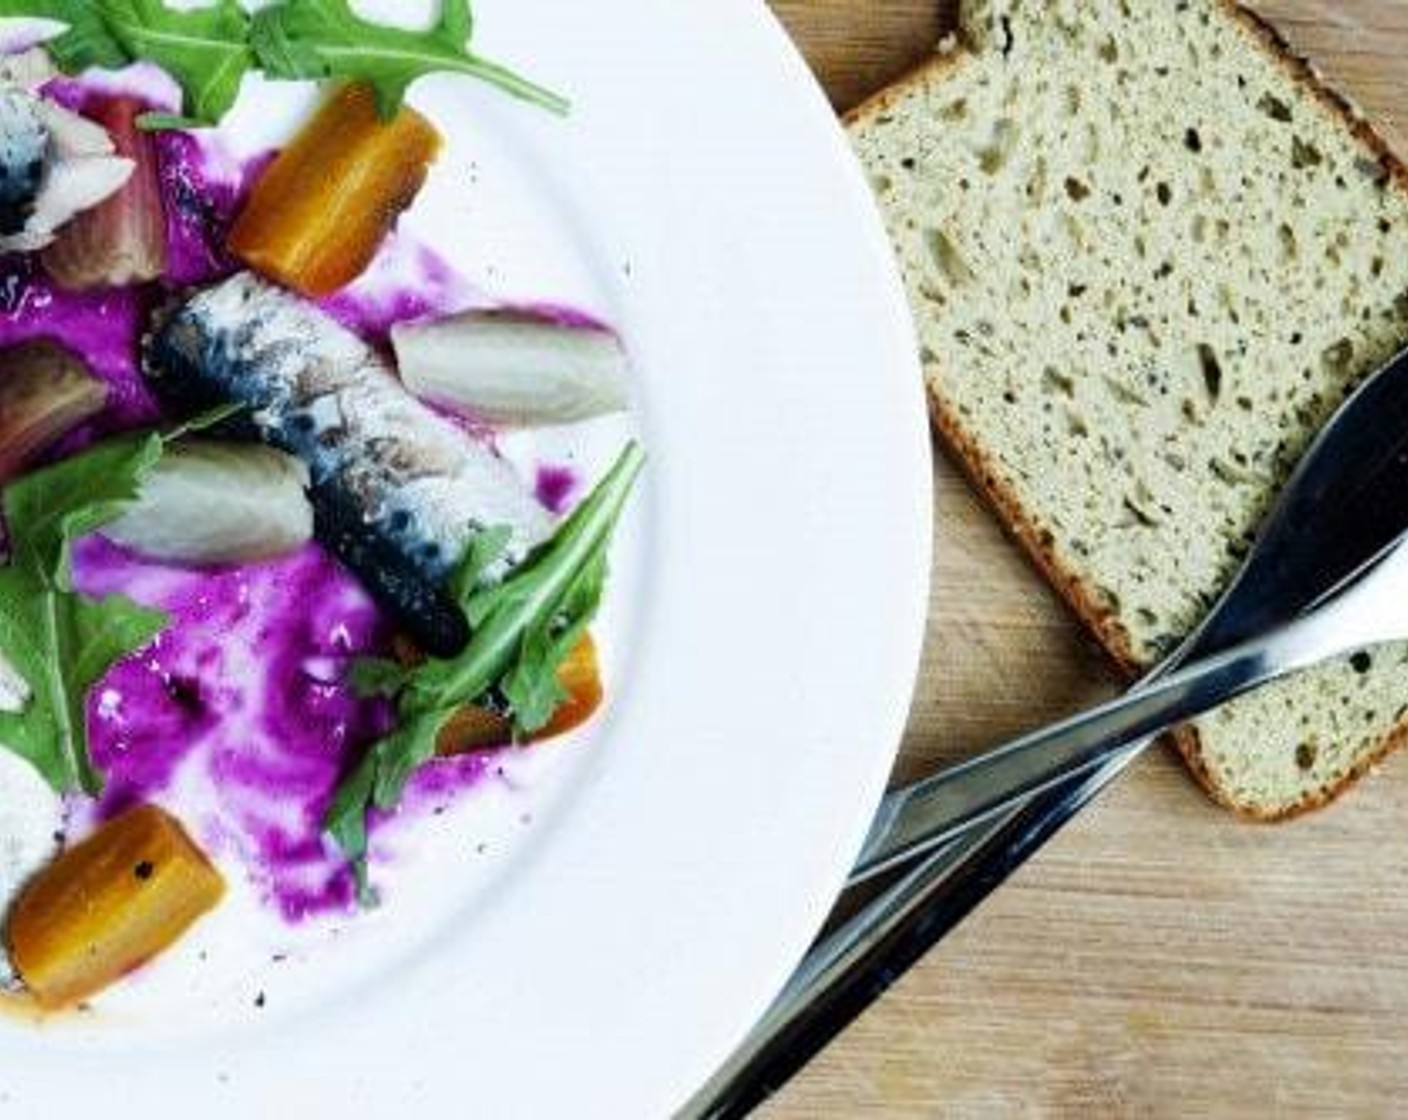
[[31, 821]]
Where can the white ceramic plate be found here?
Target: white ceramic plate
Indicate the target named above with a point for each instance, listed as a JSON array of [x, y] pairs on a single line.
[[650, 886]]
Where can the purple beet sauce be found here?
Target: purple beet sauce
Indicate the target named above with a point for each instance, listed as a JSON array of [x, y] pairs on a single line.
[[406, 282], [556, 486], [562, 315], [205, 190], [237, 711], [238, 717]]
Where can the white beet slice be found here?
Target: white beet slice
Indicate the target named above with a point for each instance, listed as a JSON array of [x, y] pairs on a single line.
[[211, 503], [515, 370]]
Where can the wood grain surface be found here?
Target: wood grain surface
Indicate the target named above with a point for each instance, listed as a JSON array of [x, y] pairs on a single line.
[[1159, 958]]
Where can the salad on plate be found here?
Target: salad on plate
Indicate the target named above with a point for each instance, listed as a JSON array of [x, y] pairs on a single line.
[[266, 571]]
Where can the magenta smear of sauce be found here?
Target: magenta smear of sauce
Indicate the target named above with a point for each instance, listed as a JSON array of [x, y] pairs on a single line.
[[239, 711], [556, 487], [406, 282], [238, 717], [204, 192], [562, 315]]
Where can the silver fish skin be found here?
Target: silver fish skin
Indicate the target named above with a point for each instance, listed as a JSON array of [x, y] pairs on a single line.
[[24, 150], [54, 164], [399, 491]]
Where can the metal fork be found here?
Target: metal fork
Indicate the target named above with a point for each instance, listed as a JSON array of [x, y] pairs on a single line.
[[1344, 509]]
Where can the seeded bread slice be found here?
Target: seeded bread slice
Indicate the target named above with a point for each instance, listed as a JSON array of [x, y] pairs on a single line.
[[1148, 254]]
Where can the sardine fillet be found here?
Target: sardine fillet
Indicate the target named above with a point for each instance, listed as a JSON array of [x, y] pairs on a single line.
[[399, 490]]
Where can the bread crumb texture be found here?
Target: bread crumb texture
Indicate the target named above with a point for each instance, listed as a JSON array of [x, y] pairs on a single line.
[[1148, 256]]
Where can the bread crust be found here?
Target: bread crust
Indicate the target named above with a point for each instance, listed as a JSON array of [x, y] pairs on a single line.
[[1079, 596]]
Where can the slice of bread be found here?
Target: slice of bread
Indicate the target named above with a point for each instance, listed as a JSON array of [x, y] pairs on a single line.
[[1148, 254]]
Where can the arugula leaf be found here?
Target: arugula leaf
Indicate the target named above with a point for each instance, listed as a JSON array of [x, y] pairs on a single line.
[[48, 510], [524, 628], [485, 550], [376, 677], [533, 600], [345, 821], [58, 641], [379, 780], [167, 122], [205, 421], [532, 687], [326, 39], [205, 49], [86, 41], [210, 49]]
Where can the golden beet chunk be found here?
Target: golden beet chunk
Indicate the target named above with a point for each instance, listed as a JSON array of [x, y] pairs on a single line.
[[476, 729], [580, 677], [109, 904], [321, 211]]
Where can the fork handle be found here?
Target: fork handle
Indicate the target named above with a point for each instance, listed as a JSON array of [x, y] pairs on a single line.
[[927, 815]]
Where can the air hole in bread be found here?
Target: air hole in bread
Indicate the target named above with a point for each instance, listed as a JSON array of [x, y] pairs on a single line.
[[1274, 107], [1053, 380], [1373, 170], [1008, 40], [1304, 155], [947, 259], [1124, 394], [1337, 357], [1211, 369], [993, 158], [1036, 185]]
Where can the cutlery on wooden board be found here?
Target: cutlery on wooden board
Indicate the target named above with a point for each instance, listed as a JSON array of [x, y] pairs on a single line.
[[1328, 575]]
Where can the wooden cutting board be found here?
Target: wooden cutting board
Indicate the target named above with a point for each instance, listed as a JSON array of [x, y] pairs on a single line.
[[1159, 958]]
